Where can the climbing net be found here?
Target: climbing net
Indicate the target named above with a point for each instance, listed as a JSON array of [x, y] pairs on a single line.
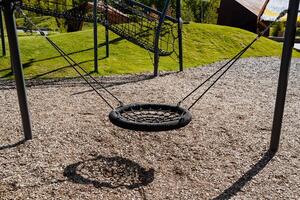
[[131, 20]]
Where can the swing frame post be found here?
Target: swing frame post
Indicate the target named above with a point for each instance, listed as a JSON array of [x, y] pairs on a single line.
[[289, 42], [2, 33], [106, 30], [17, 66], [179, 27], [95, 29], [157, 36]]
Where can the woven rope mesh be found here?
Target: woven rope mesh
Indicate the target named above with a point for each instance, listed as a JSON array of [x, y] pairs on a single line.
[[150, 116]]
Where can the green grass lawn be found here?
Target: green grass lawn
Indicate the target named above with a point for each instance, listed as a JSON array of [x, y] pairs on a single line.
[[43, 21], [203, 44]]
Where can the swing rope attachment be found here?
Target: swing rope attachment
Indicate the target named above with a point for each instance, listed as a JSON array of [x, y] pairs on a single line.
[[74, 64], [227, 65]]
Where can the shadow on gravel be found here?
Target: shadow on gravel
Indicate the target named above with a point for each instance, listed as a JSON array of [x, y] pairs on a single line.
[[106, 81], [122, 80], [247, 177], [110, 172], [9, 146]]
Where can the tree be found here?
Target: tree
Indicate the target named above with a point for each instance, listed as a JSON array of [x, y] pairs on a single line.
[[198, 8], [212, 12], [203, 11]]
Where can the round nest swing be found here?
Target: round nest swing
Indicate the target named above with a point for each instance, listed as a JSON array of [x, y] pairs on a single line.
[[150, 117]]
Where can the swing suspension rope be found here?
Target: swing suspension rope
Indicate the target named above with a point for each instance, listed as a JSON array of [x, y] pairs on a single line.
[[74, 64], [228, 64]]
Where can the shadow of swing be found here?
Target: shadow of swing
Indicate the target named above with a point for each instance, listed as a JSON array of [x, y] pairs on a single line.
[[238, 185], [110, 172]]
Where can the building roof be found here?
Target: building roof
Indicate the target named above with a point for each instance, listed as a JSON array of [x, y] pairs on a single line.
[[255, 6], [272, 10]]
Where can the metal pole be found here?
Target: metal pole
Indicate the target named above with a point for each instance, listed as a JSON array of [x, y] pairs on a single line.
[[180, 23], [17, 66], [106, 29], [2, 34], [157, 36], [284, 73], [95, 36]]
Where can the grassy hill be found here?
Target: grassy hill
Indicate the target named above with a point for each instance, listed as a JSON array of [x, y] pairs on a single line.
[[203, 44]]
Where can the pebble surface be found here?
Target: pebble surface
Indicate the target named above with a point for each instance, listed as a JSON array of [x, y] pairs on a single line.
[[76, 153]]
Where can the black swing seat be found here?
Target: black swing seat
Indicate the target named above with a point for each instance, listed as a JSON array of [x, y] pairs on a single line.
[[150, 117]]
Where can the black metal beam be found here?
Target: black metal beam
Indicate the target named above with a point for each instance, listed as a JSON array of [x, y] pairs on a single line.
[[289, 42], [141, 5], [2, 34], [157, 36], [180, 23], [106, 29], [95, 36], [17, 66]]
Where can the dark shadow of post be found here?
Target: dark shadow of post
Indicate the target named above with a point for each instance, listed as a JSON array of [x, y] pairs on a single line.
[[114, 41], [6, 69], [24, 65], [9, 146], [247, 177]]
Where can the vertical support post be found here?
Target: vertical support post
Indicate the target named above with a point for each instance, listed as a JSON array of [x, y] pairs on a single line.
[[2, 34], [180, 24], [106, 29], [289, 42], [157, 36], [17, 66], [95, 36]]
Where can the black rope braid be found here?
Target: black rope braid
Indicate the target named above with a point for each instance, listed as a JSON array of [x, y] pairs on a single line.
[[73, 64], [228, 64], [223, 73], [214, 74], [82, 76]]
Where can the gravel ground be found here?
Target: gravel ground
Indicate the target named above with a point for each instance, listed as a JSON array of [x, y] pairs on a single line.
[[77, 153]]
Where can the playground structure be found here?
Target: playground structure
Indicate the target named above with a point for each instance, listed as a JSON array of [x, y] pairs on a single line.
[[282, 85], [144, 26]]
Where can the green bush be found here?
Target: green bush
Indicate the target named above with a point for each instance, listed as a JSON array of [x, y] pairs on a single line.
[[204, 11], [277, 29]]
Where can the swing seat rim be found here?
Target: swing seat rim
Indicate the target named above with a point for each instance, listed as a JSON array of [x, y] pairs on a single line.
[[117, 119]]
